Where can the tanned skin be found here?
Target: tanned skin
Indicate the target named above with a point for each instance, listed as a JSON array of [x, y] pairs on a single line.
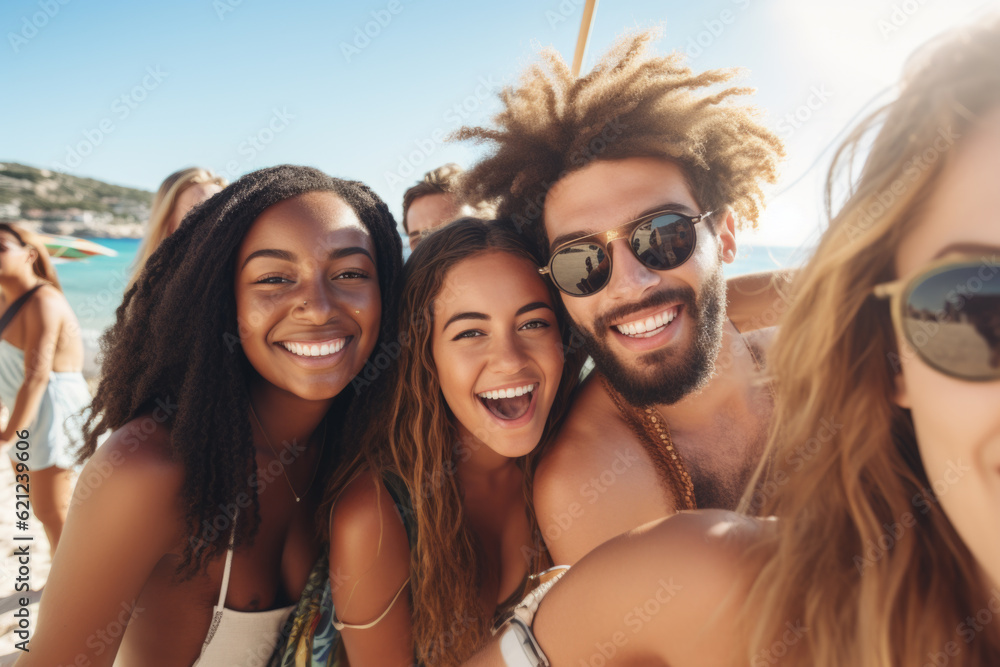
[[598, 481]]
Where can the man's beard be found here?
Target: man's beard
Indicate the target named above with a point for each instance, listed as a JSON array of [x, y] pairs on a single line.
[[671, 374]]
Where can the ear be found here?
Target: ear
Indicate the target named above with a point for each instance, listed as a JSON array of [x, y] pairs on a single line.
[[901, 397], [726, 231]]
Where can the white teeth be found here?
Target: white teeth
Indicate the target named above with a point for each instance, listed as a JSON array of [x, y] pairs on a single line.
[[314, 350], [510, 392], [649, 326]]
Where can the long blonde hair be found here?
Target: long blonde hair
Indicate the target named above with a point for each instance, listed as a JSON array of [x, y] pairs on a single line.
[[863, 556], [163, 208], [42, 266]]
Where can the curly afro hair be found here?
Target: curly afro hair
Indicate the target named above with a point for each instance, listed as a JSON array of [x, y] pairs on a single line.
[[631, 105], [176, 338]]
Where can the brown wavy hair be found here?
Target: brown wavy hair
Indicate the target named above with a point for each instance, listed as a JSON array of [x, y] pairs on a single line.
[[631, 104], [410, 433], [848, 483]]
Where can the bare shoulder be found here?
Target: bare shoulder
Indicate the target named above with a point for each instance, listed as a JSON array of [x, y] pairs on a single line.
[[134, 467], [366, 529], [48, 304], [577, 446], [141, 445], [595, 482], [577, 451], [369, 569]]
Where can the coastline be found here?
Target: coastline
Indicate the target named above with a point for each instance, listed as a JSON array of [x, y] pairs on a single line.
[[109, 230]]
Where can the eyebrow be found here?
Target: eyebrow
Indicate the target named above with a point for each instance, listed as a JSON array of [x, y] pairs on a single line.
[[290, 256], [471, 315], [675, 207], [966, 249]]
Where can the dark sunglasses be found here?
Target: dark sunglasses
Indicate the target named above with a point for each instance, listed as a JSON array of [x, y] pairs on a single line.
[[660, 240], [949, 313]]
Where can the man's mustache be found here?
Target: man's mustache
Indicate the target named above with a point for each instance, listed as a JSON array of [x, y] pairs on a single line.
[[684, 295]]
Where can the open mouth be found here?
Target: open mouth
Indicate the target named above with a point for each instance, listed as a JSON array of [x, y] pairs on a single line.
[[314, 349], [510, 403], [649, 326]]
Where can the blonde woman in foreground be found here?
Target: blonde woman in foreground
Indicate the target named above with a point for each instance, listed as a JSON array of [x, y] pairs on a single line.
[[884, 472], [180, 192]]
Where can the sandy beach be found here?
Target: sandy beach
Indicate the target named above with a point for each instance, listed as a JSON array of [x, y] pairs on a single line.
[[38, 567]]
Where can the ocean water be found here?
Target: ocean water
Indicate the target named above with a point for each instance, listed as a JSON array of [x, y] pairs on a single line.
[[94, 287]]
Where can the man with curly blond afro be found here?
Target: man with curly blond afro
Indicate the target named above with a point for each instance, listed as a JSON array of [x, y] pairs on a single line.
[[674, 416]]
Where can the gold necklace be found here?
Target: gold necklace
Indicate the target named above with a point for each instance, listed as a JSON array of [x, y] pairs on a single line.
[[298, 498]]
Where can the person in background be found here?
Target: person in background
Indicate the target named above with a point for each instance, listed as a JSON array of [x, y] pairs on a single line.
[[180, 192], [41, 359], [882, 475], [432, 202]]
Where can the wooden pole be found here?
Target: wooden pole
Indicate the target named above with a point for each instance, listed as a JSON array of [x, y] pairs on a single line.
[[581, 41]]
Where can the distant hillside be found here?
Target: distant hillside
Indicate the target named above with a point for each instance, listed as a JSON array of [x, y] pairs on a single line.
[[59, 203]]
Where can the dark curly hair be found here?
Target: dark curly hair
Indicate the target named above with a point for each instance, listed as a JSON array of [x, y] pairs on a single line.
[[631, 105], [176, 337]]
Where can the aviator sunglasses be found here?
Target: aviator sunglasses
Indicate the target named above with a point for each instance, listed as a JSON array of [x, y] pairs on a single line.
[[949, 313], [660, 240]]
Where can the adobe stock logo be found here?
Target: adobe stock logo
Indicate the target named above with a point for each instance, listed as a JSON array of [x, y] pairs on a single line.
[[30, 27], [381, 18]]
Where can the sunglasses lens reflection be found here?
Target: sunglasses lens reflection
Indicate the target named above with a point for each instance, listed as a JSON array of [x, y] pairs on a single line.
[[664, 242], [581, 269], [952, 320]]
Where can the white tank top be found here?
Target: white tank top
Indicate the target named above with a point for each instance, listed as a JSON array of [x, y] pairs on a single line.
[[240, 638]]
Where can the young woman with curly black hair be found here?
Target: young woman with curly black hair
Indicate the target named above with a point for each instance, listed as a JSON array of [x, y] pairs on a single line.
[[223, 384]]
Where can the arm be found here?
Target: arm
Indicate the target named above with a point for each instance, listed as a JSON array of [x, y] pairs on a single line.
[[757, 300], [116, 533], [42, 322], [660, 595], [369, 563]]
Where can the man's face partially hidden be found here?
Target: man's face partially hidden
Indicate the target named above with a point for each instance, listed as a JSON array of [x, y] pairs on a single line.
[[646, 360]]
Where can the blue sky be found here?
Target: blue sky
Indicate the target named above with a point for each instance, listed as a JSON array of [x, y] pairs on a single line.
[[128, 92]]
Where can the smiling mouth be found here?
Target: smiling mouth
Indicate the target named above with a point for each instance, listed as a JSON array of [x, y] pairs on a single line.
[[323, 348], [510, 403], [650, 326]]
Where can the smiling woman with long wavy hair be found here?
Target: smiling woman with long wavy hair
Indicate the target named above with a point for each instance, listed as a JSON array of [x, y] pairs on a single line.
[[222, 384], [431, 524]]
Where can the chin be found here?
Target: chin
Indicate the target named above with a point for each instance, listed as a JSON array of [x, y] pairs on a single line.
[[318, 391], [516, 446]]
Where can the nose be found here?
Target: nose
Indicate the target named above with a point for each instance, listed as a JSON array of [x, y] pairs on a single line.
[[508, 355], [316, 302], [630, 278]]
